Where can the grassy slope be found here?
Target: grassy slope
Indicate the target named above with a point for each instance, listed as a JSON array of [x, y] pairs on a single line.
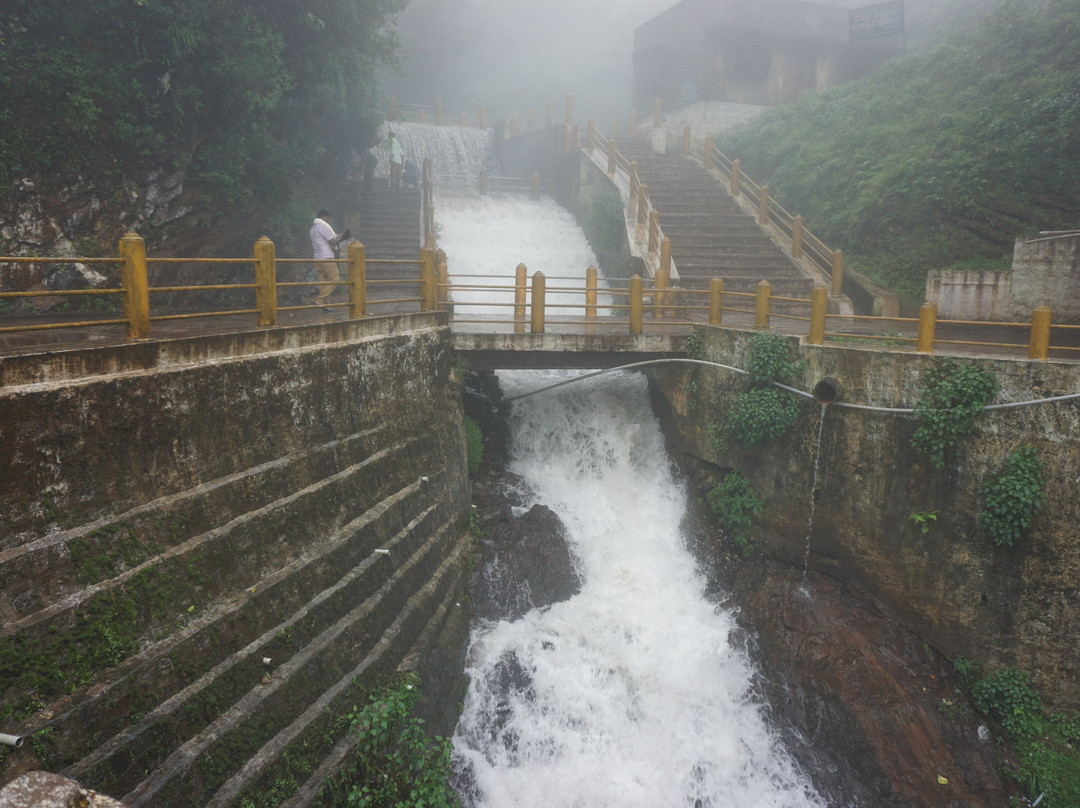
[[940, 159]]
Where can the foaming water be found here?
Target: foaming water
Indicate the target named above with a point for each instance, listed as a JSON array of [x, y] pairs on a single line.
[[631, 693], [457, 153], [512, 230]]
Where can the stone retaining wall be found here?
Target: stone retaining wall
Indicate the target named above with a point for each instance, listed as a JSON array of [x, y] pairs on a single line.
[[211, 548], [1016, 606]]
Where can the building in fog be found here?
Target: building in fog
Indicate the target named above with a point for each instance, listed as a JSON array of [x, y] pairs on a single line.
[[761, 52]]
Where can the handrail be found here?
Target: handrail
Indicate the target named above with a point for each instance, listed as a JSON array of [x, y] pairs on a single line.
[[638, 304]]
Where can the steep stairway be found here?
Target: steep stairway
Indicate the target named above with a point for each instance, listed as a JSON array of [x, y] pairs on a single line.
[[388, 223], [711, 236]]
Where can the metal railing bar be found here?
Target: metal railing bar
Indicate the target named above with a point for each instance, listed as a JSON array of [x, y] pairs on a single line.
[[82, 324], [196, 315]]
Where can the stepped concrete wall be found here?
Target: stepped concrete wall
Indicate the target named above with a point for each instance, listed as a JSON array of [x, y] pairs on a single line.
[[211, 547], [1017, 606]]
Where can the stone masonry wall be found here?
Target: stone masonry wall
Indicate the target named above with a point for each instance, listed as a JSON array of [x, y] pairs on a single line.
[[1016, 606], [212, 547]]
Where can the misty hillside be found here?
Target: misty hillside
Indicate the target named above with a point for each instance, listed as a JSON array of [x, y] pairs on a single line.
[[940, 159]]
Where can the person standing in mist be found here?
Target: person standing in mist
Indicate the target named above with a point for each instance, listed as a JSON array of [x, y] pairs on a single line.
[[396, 157], [323, 242]]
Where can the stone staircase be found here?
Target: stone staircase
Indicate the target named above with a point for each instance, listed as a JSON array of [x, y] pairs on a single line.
[[389, 225], [711, 236]]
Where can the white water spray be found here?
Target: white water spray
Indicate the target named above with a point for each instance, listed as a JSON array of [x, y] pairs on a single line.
[[631, 693]]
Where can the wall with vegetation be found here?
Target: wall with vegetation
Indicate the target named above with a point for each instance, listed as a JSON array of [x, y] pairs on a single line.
[[886, 521], [213, 548]]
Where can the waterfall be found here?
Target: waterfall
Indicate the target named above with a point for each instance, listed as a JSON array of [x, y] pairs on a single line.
[[458, 154], [633, 692]]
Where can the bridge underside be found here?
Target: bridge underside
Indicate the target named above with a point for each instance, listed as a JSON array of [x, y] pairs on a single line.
[[539, 351]]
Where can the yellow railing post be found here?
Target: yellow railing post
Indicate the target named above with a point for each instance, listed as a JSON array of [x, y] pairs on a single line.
[[590, 293], [133, 280], [521, 275], [514, 128], [536, 185], [796, 237], [612, 150], [761, 306], [1040, 333], [421, 116], [265, 283], [483, 183], [538, 286], [686, 141], [633, 123], [708, 153], [736, 171], [427, 279], [927, 326], [658, 118], [837, 272], [569, 108], [716, 301], [819, 304], [464, 120], [763, 206], [428, 195], [590, 143], [568, 146], [643, 203], [635, 303], [663, 278], [634, 188], [443, 279], [357, 280], [654, 231]]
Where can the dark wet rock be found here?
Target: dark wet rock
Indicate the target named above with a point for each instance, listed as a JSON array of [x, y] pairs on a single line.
[[525, 561], [864, 705], [484, 403]]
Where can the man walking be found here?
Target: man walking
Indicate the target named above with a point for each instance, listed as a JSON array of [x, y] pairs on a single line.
[[323, 241]]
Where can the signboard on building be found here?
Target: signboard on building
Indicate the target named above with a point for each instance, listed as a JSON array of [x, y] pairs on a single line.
[[687, 93], [881, 19]]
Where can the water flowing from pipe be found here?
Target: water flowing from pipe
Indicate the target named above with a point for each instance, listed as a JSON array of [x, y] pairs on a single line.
[[805, 589]]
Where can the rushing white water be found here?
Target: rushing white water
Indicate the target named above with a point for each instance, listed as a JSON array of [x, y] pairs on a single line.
[[486, 237], [632, 693], [458, 154]]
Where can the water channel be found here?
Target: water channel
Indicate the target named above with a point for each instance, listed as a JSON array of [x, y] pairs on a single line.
[[635, 691]]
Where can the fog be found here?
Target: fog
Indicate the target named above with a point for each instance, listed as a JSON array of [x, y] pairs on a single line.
[[509, 55]]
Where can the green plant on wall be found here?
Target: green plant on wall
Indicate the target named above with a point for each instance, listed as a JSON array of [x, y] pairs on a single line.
[[474, 445], [604, 219], [695, 346], [923, 519], [952, 394], [1045, 757], [735, 503], [397, 763], [762, 412], [1013, 498]]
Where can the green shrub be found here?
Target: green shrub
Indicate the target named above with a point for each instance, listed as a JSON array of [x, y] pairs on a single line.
[[1046, 747], [762, 412], [604, 219], [695, 347], [952, 395], [474, 445], [1013, 498], [1007, 695], [398, 765], [735, 503]]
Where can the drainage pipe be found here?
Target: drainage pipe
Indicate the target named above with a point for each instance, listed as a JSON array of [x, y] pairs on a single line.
[[804, 394], [11, 740]]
